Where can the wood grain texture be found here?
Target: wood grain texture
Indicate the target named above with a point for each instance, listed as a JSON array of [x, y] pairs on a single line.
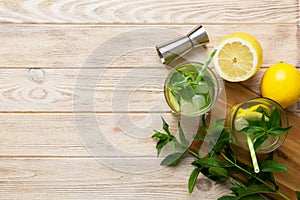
[[107, 136], [87, 178], [81, 135], [154, 11], [49, 48], [112, 90], [62, 135], [55, 46], [62, 91]]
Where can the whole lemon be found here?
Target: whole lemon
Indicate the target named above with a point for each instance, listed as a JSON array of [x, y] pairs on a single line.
[[281, 82]]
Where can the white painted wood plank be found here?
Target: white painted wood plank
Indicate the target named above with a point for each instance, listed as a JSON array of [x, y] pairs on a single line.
[[94, 90], [64, 91], [87, 178], [43, 156], [56, 46], [83, 135], [44, 135], [148, 11]]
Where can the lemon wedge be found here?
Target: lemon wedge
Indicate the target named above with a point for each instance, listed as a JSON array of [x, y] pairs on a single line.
[[242, 117], [174, 102], [255, 107], [250, 115], [238, 58]]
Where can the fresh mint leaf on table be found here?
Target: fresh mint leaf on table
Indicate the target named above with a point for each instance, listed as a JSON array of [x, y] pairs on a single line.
[[168, 138], [221, 163], [298, 195]]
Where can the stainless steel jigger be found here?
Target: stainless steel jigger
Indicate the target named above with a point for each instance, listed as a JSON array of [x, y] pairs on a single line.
[[170, 51]]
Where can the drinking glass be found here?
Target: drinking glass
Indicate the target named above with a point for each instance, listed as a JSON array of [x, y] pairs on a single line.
[[191, 91], [249, 110]]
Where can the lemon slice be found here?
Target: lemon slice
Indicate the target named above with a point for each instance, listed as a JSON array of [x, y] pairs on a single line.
[[241, 119], [255, 107], [174, 102], [250, 115], [239, 56]]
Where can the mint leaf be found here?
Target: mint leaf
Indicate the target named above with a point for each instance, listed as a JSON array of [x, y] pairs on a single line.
[[263, 122], [253, 197], [160, 144], [187, 92], [176, 94], [298, 195], [163, 140], [259, 141], [274, 120], [237, 187], [254, 189], [159, 135], [220, 140], [204, 123], [254, 122], [208, 81], [269, 175], [207, 162], [227, 198], [200, 136], [217, 129], [252, 129], [263, 111], [166, 126], [172, 159], [193, 178], [272, 179], [259, 135], [183, 140], [172, 145], [230, 152], [219, 171], [272, 166], [176, 77], [278, 131]]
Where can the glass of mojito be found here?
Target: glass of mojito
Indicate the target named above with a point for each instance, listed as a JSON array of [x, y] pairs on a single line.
[[191, 91], [263, 120]]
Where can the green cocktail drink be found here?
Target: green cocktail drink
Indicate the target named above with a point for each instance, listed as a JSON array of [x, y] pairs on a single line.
[[190, 91], [263, 120]]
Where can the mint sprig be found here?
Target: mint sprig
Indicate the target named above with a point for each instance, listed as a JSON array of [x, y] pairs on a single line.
[[164, 138], [167, 138], [262, 129], [221, 163]]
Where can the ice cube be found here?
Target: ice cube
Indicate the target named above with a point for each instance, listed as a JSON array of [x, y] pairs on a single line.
[[201, 88], [240, 123], [199, 101], [188, 107]]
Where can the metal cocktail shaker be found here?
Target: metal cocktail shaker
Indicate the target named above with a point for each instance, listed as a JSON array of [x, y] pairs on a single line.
[[170, 51]]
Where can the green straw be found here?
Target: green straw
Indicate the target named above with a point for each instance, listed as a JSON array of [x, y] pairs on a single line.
[[252, 153], [207, 62]]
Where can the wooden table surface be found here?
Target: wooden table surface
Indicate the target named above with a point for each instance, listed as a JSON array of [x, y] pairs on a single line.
[[81, 90]]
